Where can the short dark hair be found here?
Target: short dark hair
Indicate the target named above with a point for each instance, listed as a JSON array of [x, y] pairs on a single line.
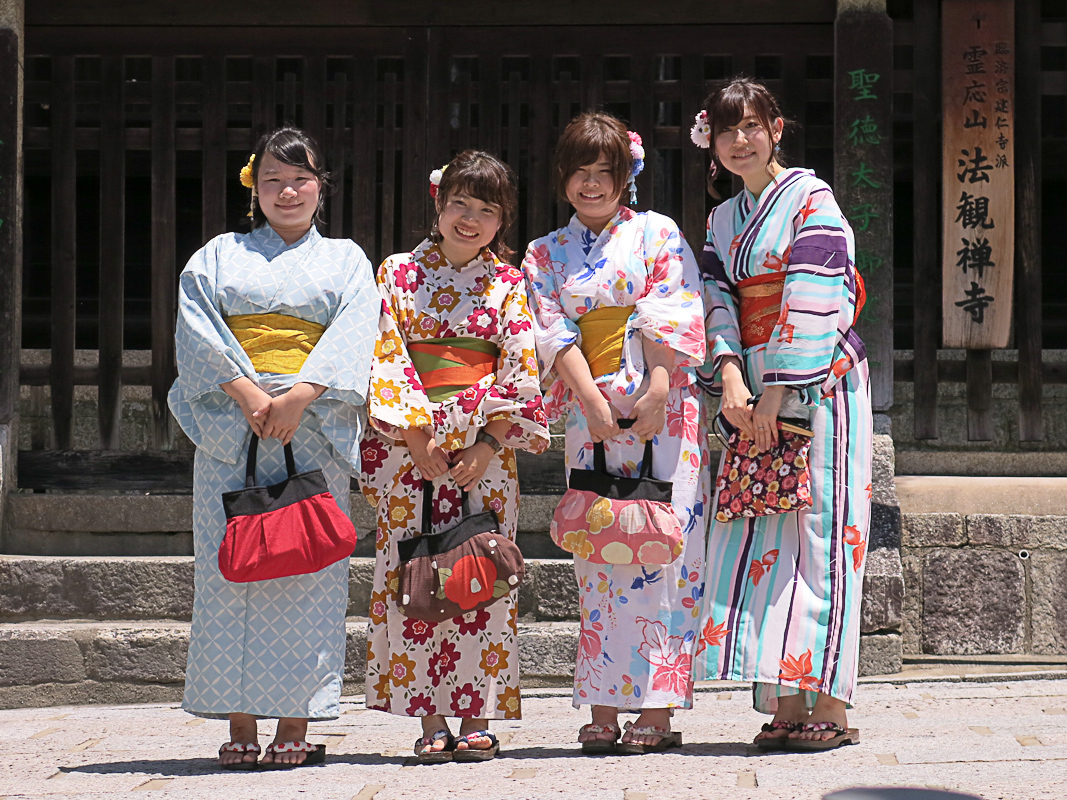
[[296, 148], [487, 178], [584, 139], [726, 105]]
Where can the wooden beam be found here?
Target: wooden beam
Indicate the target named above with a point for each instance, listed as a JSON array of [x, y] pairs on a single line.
[[1028, 315], [926, 267], [213, 148], [979, 395], [64, 266], [164, 273], [10, 225], [110, 311], [414, 197]]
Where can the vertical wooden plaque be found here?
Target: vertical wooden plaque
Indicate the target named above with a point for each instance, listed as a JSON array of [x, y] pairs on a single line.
[[978, 104]]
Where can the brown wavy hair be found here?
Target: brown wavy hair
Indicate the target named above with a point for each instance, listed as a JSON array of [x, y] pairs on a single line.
[[486, 177], [583, 140], [725, 108]]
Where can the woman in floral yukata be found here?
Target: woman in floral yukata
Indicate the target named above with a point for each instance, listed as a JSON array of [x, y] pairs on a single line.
[[273, 338], [454, 391], [620, 330], [782, 293]]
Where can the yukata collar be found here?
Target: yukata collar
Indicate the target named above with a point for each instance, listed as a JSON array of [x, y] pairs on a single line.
[[753, 201], [577, 228], [272, 245], [430, 254]]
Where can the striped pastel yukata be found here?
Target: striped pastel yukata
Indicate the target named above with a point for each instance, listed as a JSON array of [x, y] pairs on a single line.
[[782, 607], [273, 648]]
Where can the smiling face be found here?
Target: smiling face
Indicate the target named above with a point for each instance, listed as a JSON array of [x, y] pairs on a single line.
[[746, 148], [288, 195], [592, 192], [466, 224]]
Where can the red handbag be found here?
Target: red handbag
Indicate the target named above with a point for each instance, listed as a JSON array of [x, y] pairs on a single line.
[[290, 528]]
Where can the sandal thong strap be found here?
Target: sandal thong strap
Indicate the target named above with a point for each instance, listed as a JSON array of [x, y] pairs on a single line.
[[477, 735], [780, 725], [291, 747], [647, 730], [239, 747], [426, 741], [593, 728], [817, 727]]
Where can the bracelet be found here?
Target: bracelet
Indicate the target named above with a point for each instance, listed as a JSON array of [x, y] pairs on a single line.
[[489, 439]]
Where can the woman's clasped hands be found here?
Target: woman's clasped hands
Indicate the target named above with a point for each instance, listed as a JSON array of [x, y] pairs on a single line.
[[759, 422], [272, 417]]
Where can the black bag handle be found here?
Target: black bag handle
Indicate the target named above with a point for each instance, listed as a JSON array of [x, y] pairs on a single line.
[[253, 452], [600, 460], [427, 505]]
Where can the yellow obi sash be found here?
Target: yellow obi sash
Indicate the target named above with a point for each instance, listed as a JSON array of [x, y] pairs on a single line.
[[275, 342], [603, 333], [761, 303], [448, 366]]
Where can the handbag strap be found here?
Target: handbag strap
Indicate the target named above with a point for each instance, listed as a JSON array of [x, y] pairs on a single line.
[[600, 458], [427, 505], [253, 452]]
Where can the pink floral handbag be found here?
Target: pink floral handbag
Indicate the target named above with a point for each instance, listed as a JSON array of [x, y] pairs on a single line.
[[756, 483], [609, 519]]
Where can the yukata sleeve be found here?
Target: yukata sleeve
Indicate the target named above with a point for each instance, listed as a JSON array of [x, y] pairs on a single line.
[[721, 316], [516, 392], [817, 301], [553, 329], [341, 360], [671, 311], [398, 400], [207, 355]]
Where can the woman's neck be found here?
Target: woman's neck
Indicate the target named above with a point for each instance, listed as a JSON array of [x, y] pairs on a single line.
[[597, 225], [458, 257], [291, 235], [761, 180]]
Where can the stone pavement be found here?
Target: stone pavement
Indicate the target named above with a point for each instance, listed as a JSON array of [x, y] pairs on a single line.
[[998, 740]]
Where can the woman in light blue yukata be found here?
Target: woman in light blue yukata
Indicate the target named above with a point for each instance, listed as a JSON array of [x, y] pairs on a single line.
[[781, 291], [275, 335]]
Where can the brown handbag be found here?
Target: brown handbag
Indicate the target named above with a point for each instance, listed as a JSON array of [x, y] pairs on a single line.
[[467, 566]]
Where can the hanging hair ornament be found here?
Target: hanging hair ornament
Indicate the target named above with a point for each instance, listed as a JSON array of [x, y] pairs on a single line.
[[638, 153], [246, 173], [700, 133], [435, 180]]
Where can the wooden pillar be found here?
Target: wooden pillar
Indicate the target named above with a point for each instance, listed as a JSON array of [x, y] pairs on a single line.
[[863, 170]]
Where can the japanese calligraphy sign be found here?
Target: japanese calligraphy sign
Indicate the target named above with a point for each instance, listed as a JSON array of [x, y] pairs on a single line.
[[863, 176], [978, 99]]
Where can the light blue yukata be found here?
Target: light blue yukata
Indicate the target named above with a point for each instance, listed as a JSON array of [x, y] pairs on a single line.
[[782, 607], [271, 648]]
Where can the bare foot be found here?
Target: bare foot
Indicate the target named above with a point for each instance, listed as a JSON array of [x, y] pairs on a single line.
[[649, 717], [827, 709], [290, 729], [791, 711], [242, 731], [431, 725], [606, 719], [469, 726]]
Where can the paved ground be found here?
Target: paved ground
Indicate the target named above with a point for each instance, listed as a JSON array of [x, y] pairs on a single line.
[[997, 740]]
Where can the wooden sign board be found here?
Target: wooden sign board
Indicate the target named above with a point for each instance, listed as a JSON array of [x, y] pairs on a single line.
[[978, 104]]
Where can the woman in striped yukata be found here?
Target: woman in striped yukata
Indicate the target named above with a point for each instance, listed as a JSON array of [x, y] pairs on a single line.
[[782, 607]]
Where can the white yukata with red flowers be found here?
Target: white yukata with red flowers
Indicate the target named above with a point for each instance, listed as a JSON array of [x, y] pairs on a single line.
[[467, 666], [639, 624]]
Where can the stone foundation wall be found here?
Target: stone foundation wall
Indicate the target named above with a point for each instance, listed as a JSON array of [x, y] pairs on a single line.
[[985, 584]]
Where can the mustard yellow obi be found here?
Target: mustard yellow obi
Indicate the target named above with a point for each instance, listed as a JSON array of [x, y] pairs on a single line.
[[761, 304], [603, 333], [276, 343]]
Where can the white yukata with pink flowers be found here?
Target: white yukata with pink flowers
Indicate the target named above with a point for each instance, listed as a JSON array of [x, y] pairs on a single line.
[[639, 624]]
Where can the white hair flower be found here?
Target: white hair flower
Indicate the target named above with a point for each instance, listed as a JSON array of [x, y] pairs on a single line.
[[700, 133]]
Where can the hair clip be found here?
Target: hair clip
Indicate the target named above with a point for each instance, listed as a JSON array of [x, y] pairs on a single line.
[[700, 133], [638, 154], [435, 180], [246, 173]]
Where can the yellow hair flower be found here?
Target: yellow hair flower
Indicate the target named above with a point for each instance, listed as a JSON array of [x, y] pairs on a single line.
[[246, 173]]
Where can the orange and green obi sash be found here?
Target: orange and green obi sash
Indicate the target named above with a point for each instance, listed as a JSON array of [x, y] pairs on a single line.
[[603, 333], [761, 304], [275, 343], [448, 366]]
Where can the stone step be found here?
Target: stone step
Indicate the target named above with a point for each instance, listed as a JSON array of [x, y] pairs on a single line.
[[161, 525], [161, 588], [124, 661], [924, 494], [73, 663]]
